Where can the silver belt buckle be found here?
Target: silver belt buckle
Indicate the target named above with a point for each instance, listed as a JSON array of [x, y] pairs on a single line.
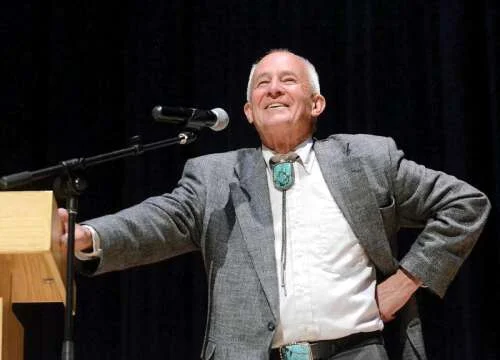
[[298, 351]]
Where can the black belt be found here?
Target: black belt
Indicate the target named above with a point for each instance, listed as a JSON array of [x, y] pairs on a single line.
[[326, 348]]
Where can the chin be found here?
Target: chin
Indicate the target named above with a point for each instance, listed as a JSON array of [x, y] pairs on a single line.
[[278, 121]]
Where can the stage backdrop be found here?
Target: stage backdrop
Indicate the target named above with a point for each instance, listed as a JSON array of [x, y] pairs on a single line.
[[81, 77]]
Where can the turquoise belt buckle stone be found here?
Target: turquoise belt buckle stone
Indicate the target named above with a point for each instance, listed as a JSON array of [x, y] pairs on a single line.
[[283, 176], [300, 351]]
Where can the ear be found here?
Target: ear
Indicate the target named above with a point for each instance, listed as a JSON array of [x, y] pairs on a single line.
[[318, 105], [248, 112]]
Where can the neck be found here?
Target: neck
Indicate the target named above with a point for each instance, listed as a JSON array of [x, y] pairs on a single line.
[[283, 145]]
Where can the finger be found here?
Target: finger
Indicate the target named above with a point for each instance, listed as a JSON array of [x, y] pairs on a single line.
[[63, 241], [63, 213], [64, 216]]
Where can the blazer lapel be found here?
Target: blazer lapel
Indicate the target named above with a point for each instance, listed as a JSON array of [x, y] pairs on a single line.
[[253, 209], [351, 190]]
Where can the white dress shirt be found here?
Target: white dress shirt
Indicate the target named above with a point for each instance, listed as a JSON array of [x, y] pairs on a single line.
[[330, 282]]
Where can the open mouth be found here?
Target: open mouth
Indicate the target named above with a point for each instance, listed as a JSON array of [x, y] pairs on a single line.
[[276, 106]]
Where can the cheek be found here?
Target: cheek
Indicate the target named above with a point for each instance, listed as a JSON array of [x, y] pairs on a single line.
[[256, 99]]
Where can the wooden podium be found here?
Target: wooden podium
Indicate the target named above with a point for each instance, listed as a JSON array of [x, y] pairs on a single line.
[[32, 265]]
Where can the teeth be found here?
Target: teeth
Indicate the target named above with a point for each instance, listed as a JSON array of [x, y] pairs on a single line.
[[275, 105]]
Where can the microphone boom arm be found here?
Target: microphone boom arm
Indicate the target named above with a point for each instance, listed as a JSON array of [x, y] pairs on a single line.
[[26, 177]]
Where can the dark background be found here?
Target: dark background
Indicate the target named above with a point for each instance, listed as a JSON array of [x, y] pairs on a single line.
[[80, 78]]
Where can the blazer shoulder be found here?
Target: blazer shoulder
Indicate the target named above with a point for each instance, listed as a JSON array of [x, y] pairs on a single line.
[[224, 158], [220, 164], [363, 145]]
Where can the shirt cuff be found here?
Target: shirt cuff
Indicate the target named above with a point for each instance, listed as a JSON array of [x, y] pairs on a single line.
[[96, 247]]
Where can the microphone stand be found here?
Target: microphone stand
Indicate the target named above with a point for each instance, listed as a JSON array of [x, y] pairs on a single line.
[[71, 184]]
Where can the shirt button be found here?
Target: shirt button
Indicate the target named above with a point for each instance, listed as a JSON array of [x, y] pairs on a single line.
[[271, 326]]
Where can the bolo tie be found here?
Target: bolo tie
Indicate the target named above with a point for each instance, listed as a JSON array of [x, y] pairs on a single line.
[[283, 179]]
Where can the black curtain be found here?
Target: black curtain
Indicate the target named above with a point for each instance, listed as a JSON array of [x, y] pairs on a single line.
[[81, 77]]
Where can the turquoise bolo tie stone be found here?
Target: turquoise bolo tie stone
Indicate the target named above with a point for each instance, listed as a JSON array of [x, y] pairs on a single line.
[[283, 176], [296, 352]]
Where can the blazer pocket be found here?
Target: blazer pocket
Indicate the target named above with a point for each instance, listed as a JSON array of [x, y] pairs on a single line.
[[388, 214], [389, 207]]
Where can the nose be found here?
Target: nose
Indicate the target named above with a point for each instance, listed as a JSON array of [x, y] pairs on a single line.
[[275, 89]]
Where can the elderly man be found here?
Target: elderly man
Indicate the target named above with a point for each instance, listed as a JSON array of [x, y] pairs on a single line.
[[297, 235]]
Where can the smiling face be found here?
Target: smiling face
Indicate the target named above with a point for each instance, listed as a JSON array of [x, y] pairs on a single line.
[[282, 105]]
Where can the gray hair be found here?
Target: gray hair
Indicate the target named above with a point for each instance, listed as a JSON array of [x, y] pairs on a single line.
[[311, 72]]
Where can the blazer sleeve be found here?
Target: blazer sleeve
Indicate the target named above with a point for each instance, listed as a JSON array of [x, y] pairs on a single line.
[[451, 212], [156, 229]]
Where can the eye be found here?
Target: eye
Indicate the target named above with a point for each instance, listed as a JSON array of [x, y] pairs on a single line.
[[262, 83], [290, 80]]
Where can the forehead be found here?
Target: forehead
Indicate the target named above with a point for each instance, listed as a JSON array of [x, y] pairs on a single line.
[[280, 62]]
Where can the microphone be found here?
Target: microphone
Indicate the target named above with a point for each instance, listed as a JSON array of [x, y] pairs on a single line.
[[215, 119]]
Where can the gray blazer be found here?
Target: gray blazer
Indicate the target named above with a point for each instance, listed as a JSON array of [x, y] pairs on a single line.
[[221, 206]]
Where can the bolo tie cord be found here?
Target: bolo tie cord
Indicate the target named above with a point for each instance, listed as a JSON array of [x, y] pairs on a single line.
[[283, 179]]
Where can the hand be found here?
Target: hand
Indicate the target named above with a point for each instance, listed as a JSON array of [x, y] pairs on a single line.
[[394, 293], [83, 237]]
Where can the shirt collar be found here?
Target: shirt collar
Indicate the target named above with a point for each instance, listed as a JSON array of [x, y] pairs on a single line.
[[304, 150]]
